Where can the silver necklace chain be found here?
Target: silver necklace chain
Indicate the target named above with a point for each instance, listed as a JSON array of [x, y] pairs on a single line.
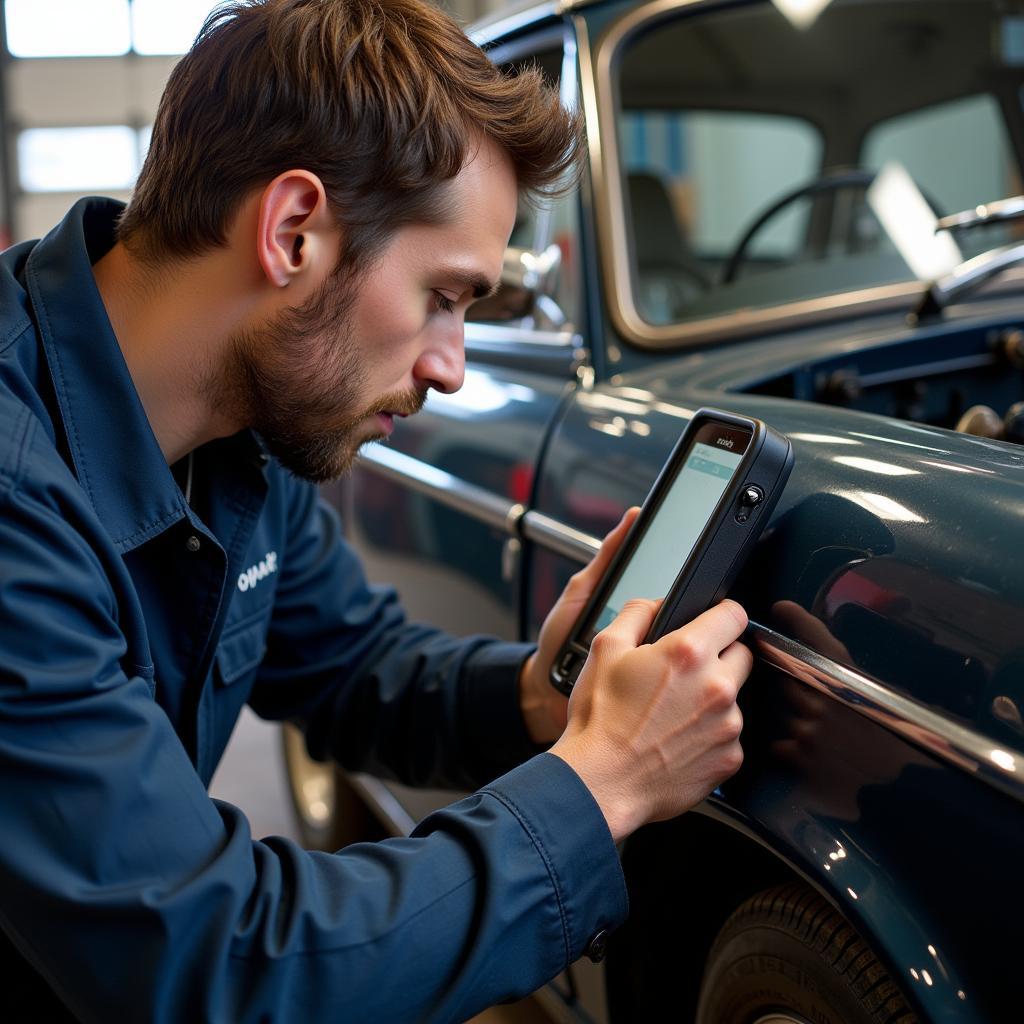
[[188, 478]]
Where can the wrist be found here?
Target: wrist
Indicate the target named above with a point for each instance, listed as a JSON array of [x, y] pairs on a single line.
[[535, 695], [604, 780]]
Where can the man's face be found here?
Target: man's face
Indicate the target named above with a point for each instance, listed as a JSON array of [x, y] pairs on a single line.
[[318, 381]]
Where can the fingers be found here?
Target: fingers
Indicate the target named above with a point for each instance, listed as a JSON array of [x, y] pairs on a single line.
[[599, 563], [718, 627], [737, 660]]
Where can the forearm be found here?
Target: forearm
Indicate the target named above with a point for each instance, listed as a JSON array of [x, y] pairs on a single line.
[[490, 898]]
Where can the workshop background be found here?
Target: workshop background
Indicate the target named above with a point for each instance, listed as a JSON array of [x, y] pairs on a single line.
[[81, 84]]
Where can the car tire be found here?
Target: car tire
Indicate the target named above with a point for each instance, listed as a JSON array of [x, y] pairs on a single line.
[[786, 956], [329, 812]]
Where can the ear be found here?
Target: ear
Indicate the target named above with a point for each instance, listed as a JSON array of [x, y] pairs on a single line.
[[297, 236]]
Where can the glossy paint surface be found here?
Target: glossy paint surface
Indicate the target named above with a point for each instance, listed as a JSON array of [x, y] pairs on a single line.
[[895, 550]]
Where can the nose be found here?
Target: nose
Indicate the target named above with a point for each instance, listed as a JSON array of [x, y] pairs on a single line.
[[442, 364]]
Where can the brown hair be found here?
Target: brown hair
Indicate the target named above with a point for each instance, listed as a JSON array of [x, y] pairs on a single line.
[[381, 99]]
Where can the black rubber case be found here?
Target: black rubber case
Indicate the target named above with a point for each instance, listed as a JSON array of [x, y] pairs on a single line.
[[722, 547]]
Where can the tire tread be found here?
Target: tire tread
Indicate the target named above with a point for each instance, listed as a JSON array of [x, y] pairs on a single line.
[[804, 914]]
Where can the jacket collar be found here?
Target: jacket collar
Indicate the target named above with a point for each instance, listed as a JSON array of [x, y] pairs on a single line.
[[114, 451]]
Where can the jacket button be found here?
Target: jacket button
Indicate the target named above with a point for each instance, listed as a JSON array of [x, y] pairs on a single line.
[[598, 946], [192, 544]]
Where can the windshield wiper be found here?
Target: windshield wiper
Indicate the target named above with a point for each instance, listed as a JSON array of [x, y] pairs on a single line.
[[973, 273]]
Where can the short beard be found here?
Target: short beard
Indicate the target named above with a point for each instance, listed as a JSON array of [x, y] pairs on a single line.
[[298, 380]]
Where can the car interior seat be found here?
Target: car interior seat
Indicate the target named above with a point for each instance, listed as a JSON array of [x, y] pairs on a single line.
[[666, 275]]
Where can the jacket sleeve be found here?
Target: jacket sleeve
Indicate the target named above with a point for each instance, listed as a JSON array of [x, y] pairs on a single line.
[[138, 898], [375, 692]]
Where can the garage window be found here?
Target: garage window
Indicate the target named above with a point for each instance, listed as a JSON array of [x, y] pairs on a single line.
[[78, 159], [67, 28], [102, 28]]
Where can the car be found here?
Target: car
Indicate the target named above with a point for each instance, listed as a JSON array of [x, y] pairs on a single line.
[[809, 217]]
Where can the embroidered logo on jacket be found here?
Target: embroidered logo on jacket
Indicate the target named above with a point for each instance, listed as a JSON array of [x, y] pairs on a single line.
[[252, 576]]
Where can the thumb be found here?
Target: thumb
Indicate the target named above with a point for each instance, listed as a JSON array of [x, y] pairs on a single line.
[[595, 569]]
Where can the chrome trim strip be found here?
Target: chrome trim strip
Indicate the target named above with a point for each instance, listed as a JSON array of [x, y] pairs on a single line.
[[444, 488], [960, 746], [557, 537], [562, 539], [394, 817], [1000, 767], [598, 92], [477, 333]]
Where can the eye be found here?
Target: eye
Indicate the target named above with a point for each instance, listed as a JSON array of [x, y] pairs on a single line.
[[443, 302]]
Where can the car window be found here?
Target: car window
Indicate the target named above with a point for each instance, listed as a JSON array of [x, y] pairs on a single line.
[[691, 178], [746, 144], [957, 152]]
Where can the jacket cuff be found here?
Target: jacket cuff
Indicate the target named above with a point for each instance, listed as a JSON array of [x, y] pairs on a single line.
[[490, 714], [572, 837]]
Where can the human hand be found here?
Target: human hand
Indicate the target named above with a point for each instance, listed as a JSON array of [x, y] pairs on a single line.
[[653, 728], [544, 708]]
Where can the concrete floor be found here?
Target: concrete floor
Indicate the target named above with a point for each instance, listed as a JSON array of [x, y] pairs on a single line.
[[251, 776]]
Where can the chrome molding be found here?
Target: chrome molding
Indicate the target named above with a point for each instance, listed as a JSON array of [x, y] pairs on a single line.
[[394, 817], [557, 537], [477, 333], [444, 488], [967, 749]]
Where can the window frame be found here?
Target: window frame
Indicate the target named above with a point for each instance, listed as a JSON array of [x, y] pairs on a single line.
[[511, 343], [599, 69]]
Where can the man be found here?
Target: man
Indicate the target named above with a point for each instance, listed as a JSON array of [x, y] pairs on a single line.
[[330, 184]]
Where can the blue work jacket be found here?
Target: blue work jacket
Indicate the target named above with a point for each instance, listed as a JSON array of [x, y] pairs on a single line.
[[134, 627]]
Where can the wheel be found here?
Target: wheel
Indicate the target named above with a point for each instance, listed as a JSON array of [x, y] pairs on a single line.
[[328, 810], [786, 956]]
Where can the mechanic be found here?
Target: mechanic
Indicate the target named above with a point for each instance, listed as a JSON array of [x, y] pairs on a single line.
[[330, 185]]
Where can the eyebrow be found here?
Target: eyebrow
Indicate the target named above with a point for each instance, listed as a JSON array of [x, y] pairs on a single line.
[[480, 286]]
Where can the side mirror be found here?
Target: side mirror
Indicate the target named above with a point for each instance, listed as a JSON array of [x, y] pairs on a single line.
[[526, 291]]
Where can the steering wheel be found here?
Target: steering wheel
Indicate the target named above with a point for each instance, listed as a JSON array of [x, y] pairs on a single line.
[[826, 183]]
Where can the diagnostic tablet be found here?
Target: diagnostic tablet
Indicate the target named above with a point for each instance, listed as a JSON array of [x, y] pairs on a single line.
[[696, 528]]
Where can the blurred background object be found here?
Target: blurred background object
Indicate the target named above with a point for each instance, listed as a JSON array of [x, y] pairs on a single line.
[[80, 81]]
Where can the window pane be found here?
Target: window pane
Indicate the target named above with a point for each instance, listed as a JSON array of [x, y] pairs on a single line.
[[168, 26], [77, 159], [747, 147], [719, 165], [67, 28], [958, 152]]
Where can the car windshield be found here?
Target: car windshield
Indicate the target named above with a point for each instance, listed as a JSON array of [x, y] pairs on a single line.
[[747, 144]]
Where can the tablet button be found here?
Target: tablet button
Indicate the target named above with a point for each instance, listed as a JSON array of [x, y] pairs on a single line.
[[752, 496]]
